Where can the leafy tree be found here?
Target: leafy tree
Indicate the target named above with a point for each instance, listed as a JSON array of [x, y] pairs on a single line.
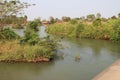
[[11, 7], [8, 34], [65, 19], [31, 36], [115, 35], [97, 22], [73, 21], [32, 25], [90, 17], [118, 15], [82, 18], [38, 21], [113, 17], [98, 15], [79, 29], [51, 20]]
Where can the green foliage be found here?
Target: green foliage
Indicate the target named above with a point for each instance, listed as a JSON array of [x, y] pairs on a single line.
[[110, 30], [65, 19], [63, 30], [73, 21], [97, 22], [90, 17], [30, 37], [32, 25], [115, 34], [79, 28], [98, 15], [11, 7], [10, 50], [52, 20], [17, 26], [38, 22], [7, 33]]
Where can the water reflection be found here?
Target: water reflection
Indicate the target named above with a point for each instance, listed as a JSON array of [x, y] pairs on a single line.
[[22, 71]]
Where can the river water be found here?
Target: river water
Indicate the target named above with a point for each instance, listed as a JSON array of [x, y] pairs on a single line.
[[95, 56]]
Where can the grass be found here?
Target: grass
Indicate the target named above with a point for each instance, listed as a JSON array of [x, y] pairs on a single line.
[[13, 51], [109, 30]]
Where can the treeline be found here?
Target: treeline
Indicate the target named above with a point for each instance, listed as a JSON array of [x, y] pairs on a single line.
[[89, 27], [87, 18]]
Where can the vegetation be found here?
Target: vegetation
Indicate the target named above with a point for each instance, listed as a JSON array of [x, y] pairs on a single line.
[[11, 51], [29, 48], [8, 34], [94, 27], [9, 10], [32, 25]]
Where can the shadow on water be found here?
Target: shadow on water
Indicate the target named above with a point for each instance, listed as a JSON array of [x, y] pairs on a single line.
[[23, 71]]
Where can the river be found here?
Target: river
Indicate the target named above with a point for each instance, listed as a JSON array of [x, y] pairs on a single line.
[[95, 56]]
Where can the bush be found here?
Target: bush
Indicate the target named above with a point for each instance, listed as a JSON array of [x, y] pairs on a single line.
[[7, 33], [11, 50], [115, 34], [73, 21], [30, 37], [32, 25], [17, 26], [97, 22], [79, 28]]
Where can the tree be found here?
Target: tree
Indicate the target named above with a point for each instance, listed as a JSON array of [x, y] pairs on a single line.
[[118, 15], [11, 7], [51, 20], [113, 17], [97, 22], [65, 19], [82, 18], [90, 17], [73, 21], [98, 15], [32, 25], [79, 29], [38, 21]]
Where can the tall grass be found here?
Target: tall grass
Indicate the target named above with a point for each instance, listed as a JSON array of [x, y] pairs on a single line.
[[109, 30], [11, 50]]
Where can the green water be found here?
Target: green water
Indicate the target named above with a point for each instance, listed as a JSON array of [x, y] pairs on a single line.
[[95, 56]]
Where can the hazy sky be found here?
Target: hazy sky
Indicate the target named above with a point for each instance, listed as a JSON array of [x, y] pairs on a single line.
[[72, 8]]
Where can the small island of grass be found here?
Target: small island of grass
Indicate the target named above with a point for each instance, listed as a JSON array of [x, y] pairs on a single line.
[[29, 48]]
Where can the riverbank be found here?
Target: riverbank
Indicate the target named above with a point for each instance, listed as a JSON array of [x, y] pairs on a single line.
[[98, 29], [12, 51]]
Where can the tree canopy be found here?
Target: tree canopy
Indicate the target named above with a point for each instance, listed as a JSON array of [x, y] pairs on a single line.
[[12, 7]]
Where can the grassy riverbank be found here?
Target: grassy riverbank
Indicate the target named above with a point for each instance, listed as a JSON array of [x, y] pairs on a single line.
[[109, 30], [13, 51], [29, 48]]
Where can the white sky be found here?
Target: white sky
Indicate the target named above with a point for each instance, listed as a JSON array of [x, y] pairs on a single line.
[[71, 8]]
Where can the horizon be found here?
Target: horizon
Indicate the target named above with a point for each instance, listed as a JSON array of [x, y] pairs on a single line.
[[70, 8]]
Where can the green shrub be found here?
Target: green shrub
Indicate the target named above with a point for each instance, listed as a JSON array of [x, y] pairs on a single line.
[[7, 33], [30, 37], [17, 26], [97, 22], [115, 34], [32, 25], [73, 21]]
